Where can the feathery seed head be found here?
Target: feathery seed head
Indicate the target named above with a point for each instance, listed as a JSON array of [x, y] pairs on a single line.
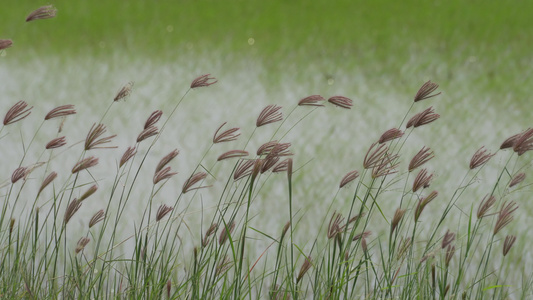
[[60, 111], [203, 81], [165, 160], [422, 157], [505, 216], [97, 217], [93, 140], [341, 101], [486, 204], [146, 133], [194, 179], [244, 169], [281, 167], [449, 254], [398, 215], [4, 44], [448, 238], [47, 181], [163, 174], [389, 135], [124, 92], [43, 12], [17, 112], [270, 114], [85, 164], [162, 211], [422, 118], [72, 208], [425, 91], [56, 143], [422, 180], [480, 158], [524, 142], [518, 178], [423, 202], [305, 267], [349, 177], [374, 156], [509, 142], [313, 100], [19, 173], [335, 225], [232, 154], [128, 154], [225, 136], [226, 232], [508, 244], [153, 119], [82, 243], [88, 193]]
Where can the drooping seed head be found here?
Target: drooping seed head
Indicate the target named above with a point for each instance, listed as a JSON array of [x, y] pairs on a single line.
[[47, 181], [19, 173], [93, 140], [146, 133], [72, 208], [524, 142], [389, 135], [163, 174], [165, 160], [226, 232], [283, 166], [518, 178], [270, 114], [43, 12], [398, 215], [422, 118], [423, 202], [17, 112], [449, 254], [425, 91], [60, 111], [341, 101], [96, 218], [194, 179], [374, 156], [88, 193], [505, 216], [162, 211], [128, 154], [422, 180], [313, 100], [448, 238], [244, 169], [509, 142], [85, 164], [485, 205], [124, 91], [305, 267], [153, 119], [4, 44], [386, 166], [82, 243], [268, 162], [203, 81], [232, 154], [225, 136], [258, 166], [422, 157], [480, 158], [508, 244], [335, 225], [349, 177], [56, 143], [210, 231]]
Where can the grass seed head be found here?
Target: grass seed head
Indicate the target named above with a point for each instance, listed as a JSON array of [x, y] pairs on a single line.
[[524, 142], [56, 143], [82, 243], [232, 154], [43, 12], [47, 181], [85, 164], [270, 114], [17, 112], [313, 100], [422, 157], [153, 119], [163, 174], [4, 44], [422, 180], [389, 135], [349, 177], [508, 244], [423, 202], [448, 238], [485, 205], [374, 156], [147, 133], [341, 101], [93, 140], [60, 111], [89, 192], [203, 81], [124, 92], [425, 91], [422, 118], [128, 154], [72, 208], [518, 178], [398, 215], [19, 173], [194, 179], [225, 136], [305, 267], [96, 218], [162, 211], [165, 160], [480, 158], [244, 169], [226, 232], [505, 216]]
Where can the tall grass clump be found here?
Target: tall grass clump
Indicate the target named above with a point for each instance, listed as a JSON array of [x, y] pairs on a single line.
[[436, 244]]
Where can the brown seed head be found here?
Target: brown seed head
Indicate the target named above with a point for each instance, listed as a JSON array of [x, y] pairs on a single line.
[[341, 101], [19, 173], [203, 81], [223, 266], [486, 204], [266, 148], [398, 215], [374, 156], [47, 181], [56, 143], [364, 234], [509, 142], [285, 229], [349, 177], [423, 202], [210, 231], [163, 174], [305, 267], [93, 140], [153, 119], [4, 44], [17, 112], [422, 180], [226, 232], [269, 162], [244, 169], [448, 238], [258, 166], [289, 169], [162, 211], [124, 92], [313, 100], [11, 226], [82, 243], [480, 158], [72, 208], [146, 133], [505, 216], [96, 218], [390, 135], [524, 142], [165, 160], [422, 157], [169, 285], [386, 166], [425, 91], [449, 254], [268, 115], [232, 154], [518, 178], [335, 225], [88, 193], [60, 111], [425, 117], [281, 167], [128, 154], [43, 12], [194, 179], [85, 164], [225, 136], [508, 244]]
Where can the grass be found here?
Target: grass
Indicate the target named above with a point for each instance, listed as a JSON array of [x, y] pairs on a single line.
[[157, 241]]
